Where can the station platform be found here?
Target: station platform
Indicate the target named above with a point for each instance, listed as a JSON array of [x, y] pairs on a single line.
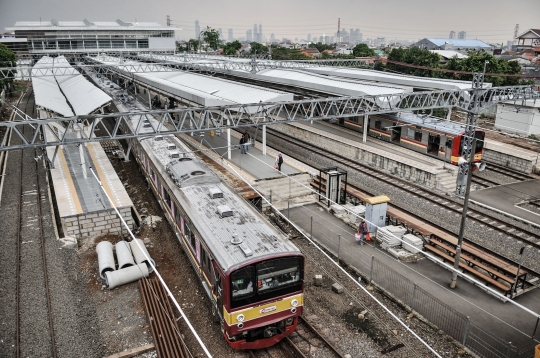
[[507, 155], [506, 198], [83, 208], [409, 156], [255, 164], [466, 299]]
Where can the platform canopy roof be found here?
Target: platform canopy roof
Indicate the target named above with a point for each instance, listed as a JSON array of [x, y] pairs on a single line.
[[394, 78], [55, 25], [201, 89], [83, 96], [47, 93], [65, 94]]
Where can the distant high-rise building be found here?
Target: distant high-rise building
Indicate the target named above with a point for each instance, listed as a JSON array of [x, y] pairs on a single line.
[[355, 36], [260, 34], [462, 35], [220, 32], [255, 35], [272, 36], [309, 37], [249, 36], [197, 29], [231, 37], [452, 35]]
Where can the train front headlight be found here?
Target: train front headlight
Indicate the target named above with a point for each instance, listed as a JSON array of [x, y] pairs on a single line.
[[294, 302], [240, 318]]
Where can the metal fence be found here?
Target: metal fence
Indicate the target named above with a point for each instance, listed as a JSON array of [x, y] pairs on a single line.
[[446, 318]]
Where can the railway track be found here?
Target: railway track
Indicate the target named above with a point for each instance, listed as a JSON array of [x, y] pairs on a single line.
[[305, 340], [508, 172], [33, 301], [489, 221]]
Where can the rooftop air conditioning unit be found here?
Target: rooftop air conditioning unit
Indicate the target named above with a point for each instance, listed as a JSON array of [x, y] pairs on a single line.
[[224, 211], [171, 147], [158, 137], [174, 155], [215, 193]]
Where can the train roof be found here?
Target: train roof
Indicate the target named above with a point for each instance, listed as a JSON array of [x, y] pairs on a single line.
[[233, 230], [428, 122]]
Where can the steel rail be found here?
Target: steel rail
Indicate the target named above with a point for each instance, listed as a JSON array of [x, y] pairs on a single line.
[[434, 198], [320, 336]]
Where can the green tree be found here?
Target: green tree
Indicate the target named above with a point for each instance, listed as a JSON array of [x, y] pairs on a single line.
[[282, 53], [362, 50], [475, 63], [258, 48], [231, 48], [321, 47], [192, 45], [211, 37], [7, 59], [414, 56]]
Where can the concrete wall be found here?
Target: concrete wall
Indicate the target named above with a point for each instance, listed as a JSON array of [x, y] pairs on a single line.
[[523, 165], [429, 179], [97, 223]]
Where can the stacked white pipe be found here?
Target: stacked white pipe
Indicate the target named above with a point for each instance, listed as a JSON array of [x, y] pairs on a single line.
[[127, 271]]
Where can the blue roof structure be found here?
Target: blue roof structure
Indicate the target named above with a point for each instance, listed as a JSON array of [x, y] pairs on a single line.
[[459, 42]]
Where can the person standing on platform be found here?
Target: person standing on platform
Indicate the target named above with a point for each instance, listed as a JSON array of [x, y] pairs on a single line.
[[247, 140], [363, 231], [279, 161], [242, 145]]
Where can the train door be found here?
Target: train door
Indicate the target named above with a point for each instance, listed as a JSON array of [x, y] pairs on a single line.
[[396, 134], [434, 142], [218, 290], [448, 149]]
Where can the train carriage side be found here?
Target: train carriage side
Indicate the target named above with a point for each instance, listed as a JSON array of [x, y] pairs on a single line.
[[254, 317], [427, 135]]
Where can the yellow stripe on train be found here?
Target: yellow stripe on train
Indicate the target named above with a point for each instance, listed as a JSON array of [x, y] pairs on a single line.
[[263, 310]]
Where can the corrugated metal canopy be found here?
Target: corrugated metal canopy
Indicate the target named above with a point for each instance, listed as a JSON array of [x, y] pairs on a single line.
[[201, 89], [83, 96], [47, 93], [396, 79]]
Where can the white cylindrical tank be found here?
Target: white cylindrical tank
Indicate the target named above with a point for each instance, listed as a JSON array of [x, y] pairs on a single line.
[[105, 258], [129, 274], [123, 255], [140, 258]]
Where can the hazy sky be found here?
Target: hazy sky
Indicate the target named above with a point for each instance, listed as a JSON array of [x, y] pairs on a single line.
[[488, 20]]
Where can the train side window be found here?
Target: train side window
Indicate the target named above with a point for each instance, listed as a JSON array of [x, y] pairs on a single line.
[[449, 143], [166, 197], [418, 136], [410, 133], [377, 124]]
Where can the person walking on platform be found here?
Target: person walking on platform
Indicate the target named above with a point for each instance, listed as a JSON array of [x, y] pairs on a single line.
[[279, 161], [242, 145], [247, 140], [362, 231]]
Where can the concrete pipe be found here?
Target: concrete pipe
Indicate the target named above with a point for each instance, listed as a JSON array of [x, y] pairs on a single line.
[[123, 255], [129, 274], [139, 255], [105, 258]]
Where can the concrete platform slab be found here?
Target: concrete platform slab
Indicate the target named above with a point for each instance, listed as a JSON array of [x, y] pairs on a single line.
[[254, 163], [506, 197], [466, 298]]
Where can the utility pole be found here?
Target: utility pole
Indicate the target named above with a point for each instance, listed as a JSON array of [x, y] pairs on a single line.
[[516, 33], [466, 162]]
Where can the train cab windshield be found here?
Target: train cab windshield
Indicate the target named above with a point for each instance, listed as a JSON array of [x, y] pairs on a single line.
[[266, 280]]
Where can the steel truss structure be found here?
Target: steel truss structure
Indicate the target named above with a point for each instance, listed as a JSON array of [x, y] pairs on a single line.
[[199, 119], [163, 62]]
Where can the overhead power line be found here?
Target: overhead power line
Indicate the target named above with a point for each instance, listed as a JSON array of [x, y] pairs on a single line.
[[456, 71]]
